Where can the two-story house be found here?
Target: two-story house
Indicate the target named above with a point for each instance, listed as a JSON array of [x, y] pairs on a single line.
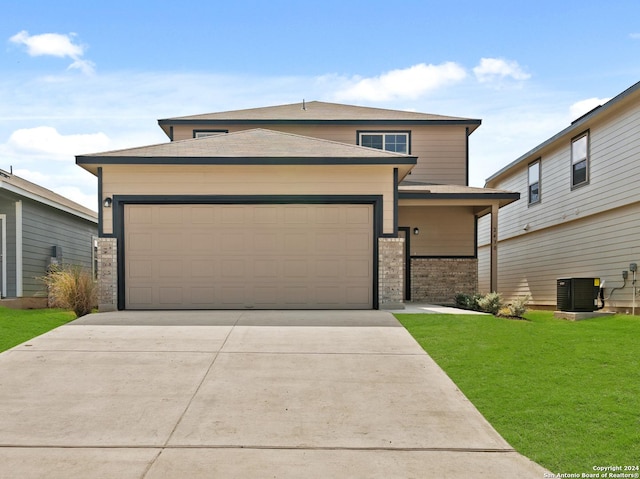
[[308, 205], [580, 212]]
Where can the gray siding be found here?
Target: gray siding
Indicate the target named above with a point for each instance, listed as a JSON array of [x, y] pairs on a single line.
[[592, 230], [44, 227]]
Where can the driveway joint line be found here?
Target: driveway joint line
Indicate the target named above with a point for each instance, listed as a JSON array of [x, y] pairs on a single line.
[[275, 448], [204, 376]]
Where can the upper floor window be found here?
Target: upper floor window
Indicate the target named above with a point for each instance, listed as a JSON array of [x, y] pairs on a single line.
[[390, 141], [534, 182], [205, 133], [580, 160]]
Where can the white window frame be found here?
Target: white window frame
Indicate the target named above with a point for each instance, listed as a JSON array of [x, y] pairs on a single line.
[[576, 160], [384, 134], [206, 133], [530, 183]]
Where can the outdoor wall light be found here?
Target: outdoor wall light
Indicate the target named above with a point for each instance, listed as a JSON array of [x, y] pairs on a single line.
[[416, 231], [107, 202]]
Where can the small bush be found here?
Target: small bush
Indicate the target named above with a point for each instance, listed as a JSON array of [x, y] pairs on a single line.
[[72, 287], [519, 306], [468, 301], [490, 303]]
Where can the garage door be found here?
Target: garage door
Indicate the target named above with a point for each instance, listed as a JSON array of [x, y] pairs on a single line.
[[248, 256]]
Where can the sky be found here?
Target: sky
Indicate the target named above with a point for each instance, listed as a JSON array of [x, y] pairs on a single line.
[[81, 77]]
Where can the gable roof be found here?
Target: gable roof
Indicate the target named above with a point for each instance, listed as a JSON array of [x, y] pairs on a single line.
[[248, 147], [22, 187], [577, 126], [318, 112]]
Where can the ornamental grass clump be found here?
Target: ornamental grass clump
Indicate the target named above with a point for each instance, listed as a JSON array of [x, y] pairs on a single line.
[[518, 307], [490, 303], [72, 287]]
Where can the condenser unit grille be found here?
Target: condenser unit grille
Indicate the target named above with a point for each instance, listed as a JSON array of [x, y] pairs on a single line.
[[577, 294]]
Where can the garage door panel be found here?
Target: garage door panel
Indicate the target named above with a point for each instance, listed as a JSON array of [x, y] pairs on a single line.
[[357, 294], [202, 269], [171, 215], [139, 296], [232, 242], [167, 242], [356, 241], [266, 242], [203, 296], [140, 269], [248, 256], [295, 269], [331, 268], [232, 269], [296, 243], [357, 268], [171, 295], [169, 269]]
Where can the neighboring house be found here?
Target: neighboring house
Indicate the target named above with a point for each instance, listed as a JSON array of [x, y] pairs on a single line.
[[580, 212], [308, 205], [37, 228]]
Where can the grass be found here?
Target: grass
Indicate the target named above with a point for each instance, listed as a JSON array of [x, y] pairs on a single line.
[[18, 326], [565, 394]]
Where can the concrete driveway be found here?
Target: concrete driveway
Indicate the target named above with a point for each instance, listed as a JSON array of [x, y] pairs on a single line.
[[239, 394]]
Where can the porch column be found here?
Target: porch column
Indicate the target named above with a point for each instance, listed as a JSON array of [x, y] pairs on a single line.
[[107, 274], [494, 247]]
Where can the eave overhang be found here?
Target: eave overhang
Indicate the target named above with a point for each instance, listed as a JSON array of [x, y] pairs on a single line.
[[91, 163], [254, 123]]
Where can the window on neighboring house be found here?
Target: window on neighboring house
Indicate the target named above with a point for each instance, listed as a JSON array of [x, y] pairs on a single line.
[[393, 141], [580, 160], [534, 182], [205, 133]]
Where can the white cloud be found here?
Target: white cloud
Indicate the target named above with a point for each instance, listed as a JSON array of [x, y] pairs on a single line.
[[496, 69], [409, 83], [57, 45], [579, 108], [45, 141], [634, 36], [71, 184]]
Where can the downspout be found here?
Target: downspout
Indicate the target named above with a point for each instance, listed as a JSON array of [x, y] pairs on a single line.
[[466, 148], [19, 284]]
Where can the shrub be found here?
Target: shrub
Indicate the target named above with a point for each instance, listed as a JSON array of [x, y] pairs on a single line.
[[467, 301], [490, 303], [72, 287], [519, 306]]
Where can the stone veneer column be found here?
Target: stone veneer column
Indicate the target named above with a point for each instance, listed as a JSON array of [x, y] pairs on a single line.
[[107, 274], [391, 273]]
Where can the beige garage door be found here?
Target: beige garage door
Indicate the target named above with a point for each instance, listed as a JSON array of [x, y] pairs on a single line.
[[248, 256]]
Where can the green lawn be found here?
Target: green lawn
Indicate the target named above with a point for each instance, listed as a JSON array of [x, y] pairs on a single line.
[[565, 394], [18, 326]]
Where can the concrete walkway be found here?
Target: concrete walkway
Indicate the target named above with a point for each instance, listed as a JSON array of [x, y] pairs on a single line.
[[239, 394]]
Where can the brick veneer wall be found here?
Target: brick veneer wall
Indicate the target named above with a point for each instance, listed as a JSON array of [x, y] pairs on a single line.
[[107, 274], [437, 280], [390, 271]]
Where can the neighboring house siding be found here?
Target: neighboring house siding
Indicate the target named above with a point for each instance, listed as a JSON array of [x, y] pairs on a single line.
[[44, 227], [441, 150], [591, 230], [8, 208], [601, 246], [250, 180]]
